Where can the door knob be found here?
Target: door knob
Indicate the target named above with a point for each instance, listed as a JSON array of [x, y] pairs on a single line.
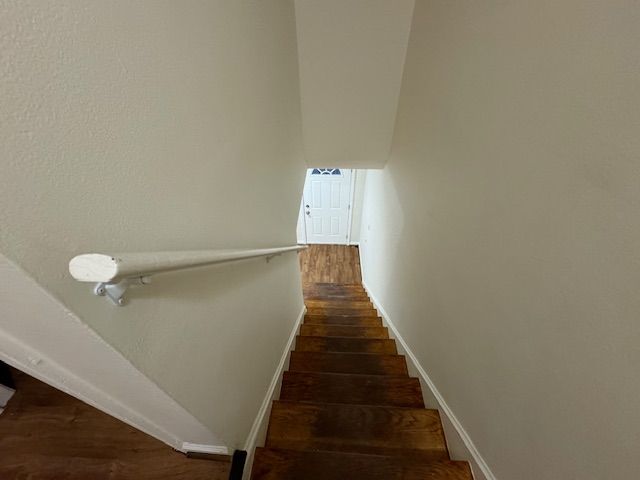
[[308, 212], [306, 206]]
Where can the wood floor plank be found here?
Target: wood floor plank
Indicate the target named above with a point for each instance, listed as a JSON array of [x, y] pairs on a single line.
[[345, 344], [354, 389], [343, 331], [359, 363], [46, 434]]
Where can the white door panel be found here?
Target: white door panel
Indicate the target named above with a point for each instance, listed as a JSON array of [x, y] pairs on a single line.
[[327, 193]]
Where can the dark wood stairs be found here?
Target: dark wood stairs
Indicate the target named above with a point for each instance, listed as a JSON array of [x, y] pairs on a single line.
[[348, 408]]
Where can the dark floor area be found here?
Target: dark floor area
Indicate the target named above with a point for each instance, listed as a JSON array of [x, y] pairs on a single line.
[[46, 434]]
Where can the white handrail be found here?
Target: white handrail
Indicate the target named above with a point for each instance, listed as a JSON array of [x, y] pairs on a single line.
[[115, 272]]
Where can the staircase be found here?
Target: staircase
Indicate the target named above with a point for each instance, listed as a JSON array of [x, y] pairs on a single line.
[[348, 408]]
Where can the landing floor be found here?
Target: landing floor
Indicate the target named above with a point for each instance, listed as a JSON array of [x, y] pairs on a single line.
[[330, 264], [46, 434]]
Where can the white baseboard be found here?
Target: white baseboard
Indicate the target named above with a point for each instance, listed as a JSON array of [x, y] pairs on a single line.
[[41, 337], [199, 448], [258, 430], [481, 470]]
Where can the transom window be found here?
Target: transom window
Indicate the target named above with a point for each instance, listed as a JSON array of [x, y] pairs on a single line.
[[326, 171]]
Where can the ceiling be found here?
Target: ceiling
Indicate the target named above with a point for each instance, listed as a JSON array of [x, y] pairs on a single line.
[[351, 56]]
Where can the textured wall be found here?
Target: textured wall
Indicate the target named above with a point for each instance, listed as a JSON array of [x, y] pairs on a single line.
[[160, 125], [502, 237]]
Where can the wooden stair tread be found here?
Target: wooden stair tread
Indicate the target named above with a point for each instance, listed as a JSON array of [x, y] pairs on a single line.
[[343, 331], [359, 363], [345, 344], [332, 311], [343, 320], [281, 464], [343, 290], [318, 387], [333, 296], [331, 303], [407, 432]]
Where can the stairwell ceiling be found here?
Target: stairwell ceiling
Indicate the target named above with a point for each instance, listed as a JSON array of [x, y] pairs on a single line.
[[351, 57]]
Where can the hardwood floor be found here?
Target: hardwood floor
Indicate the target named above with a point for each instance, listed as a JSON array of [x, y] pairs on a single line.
[[46, 434], [330, 264]]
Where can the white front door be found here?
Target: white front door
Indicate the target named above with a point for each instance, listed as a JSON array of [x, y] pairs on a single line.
[[326, 204]]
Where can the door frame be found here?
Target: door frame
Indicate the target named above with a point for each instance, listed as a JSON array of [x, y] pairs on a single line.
[[354, 172], [302, 225]]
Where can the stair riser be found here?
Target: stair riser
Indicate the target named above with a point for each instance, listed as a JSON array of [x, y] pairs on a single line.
[[343, 320], [333, 286], [329, 446], [321, 294], [356, 363], [343, 331], [351, 389], [350, 304], [348, 345], [361, 297], [338, 302], [353, 312]]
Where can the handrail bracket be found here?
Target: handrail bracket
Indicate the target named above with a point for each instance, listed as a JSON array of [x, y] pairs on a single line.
[[269, 257], [115, 291]]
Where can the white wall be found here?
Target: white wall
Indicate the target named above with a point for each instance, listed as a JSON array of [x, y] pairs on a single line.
[[160, 125], [351, 58], [502, 237]]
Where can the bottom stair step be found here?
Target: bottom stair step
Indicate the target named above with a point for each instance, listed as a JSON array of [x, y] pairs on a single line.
[[277, 464]]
